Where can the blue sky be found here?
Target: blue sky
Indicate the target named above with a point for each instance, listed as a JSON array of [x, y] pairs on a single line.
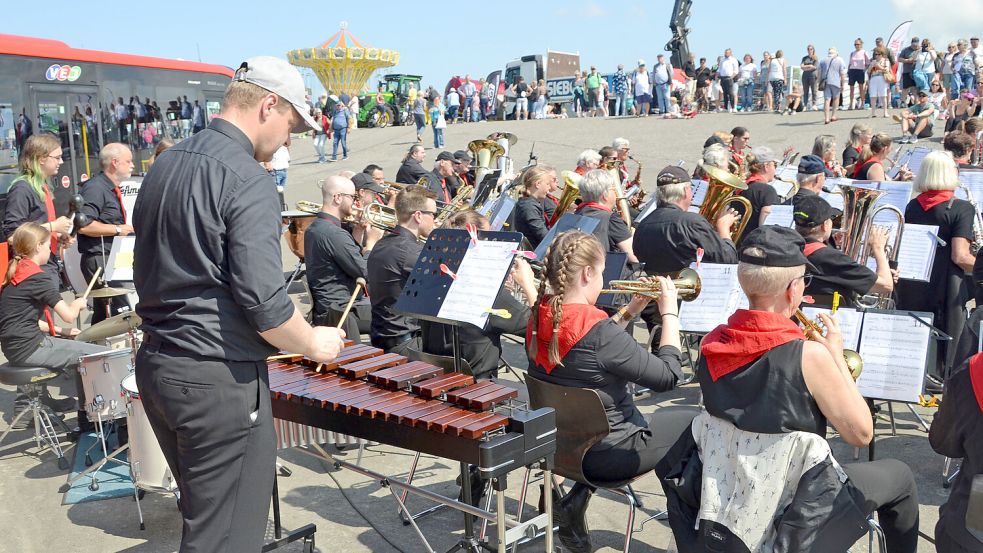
[[440, 39]]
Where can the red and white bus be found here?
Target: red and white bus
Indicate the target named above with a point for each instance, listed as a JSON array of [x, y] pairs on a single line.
[[90, 98]]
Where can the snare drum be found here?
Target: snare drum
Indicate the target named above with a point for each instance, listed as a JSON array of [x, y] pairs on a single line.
[[101, 374], [147, 464]]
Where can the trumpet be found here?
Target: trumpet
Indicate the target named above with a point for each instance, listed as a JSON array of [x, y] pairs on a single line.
[[378, 215], [393, 187], [571, 191], [687, 283], [853, 360], [721, 186]]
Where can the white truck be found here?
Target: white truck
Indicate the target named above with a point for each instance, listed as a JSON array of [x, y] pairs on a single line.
[[559, 69]]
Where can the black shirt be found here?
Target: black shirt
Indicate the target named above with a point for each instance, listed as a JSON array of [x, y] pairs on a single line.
[[761, 195], [444, 187], [703, 76], [23, 206], [850, 156], [101, 204], [801, 193], [907, 53], [530, 220], [666, 241], [389, 265], [809, 60], [606, 359], [410, 172], [611, 229], [957, 432], [481, 349], [838, 273], [207, 262], [334, 262], [20, 311], [689, 68], [549, 206]]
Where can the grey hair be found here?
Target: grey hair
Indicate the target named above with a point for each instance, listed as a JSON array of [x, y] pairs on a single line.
[[619, 143], [595, 183], [109, 152], [671, 193], [805, 180], [857, 133], [759, 281], [588, 156], [717, 156], [824, 144], [937, 172]]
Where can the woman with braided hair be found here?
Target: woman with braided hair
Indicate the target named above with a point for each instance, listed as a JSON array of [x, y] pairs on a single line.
[[573, 343]]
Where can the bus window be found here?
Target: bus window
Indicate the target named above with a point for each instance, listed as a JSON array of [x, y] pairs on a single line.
[[212, 107]]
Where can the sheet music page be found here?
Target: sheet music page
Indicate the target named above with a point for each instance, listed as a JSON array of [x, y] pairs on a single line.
[[782, 187], [647, 209], [834, 199], [699, 190], [720, 296], [915, 160], [780, 215], [972, 179], [898, 194], [849, 319], [479, 278], [894, 348], [119, 266], [502, 209], [786, 172], [917, 252]]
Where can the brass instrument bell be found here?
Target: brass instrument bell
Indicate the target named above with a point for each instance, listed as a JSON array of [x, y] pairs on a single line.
[[721, 186], [687, 283], [569, 195], [853, 360]]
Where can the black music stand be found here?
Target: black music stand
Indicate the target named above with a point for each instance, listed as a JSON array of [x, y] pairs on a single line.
[[614, 268], [423, 297], [569, 221]]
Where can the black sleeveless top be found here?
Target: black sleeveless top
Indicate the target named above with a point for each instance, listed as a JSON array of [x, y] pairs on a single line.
[[861, 172], [769, 395]]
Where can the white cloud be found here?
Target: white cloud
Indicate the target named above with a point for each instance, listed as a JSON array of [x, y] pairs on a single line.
[[593, 10], [941, 23]]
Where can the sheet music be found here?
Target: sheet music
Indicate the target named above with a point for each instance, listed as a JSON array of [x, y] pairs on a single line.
[[917, 252], [568, 221], [972, 179], [119, 266], [898, 194], [479, 278], [782, 187], [849, 319], [894, 347], [834, 199], [720, 296], [787, 172], [699, 190], [647, 209], [780, 215], [501, 211], [915, 159]]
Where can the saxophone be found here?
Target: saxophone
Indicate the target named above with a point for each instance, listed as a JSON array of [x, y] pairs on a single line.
[[638, 180], [977, 243], [458, 203]]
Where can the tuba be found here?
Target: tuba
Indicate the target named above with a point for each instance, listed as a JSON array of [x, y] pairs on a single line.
[[687, 283], [571, 191], [721, 186], [853, 360], [506, 140], [858, 218], [486, 153]]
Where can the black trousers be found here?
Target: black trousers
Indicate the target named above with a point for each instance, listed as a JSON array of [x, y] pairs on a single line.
[[640, 453], [727, 86], [888, 487], [222, 458], [331, 318], [100, 306]]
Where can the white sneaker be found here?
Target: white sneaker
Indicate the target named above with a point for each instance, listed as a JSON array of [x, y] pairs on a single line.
[[912, 139]]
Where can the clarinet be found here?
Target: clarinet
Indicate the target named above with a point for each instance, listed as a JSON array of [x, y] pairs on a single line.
[[977, 243]]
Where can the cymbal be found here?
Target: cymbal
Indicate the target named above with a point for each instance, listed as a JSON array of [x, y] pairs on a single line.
[[113, 326], [108, 292]]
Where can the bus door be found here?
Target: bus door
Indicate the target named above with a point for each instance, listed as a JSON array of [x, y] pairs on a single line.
[[72, 114]]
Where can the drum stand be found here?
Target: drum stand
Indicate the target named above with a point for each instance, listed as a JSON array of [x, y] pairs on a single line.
[[107, 456]]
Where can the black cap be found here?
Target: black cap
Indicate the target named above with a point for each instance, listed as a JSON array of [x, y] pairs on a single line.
[[922, 94], [914, 39], [462, 155], [672, 174], [812, 211], [714, 139], [811, 165], [445, 156], [774, 246], [363, 180]]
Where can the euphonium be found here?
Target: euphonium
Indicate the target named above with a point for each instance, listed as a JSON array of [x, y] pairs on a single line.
[[853, 361], [720, 194], [570, 193], [687, 283], [486, 154]]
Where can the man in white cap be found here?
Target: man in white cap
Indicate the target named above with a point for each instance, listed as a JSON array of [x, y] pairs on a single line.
[[213, 304]]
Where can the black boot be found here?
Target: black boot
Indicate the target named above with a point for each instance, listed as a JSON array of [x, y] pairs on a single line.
[[542, 498], [21, 403], [63, 405], [477, 486], [570, 515]]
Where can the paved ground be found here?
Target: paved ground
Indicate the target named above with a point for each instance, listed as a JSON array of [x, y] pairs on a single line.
[[354, 513]]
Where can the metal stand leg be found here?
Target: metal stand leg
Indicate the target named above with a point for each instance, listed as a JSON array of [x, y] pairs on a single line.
[[630, 496], [890, 411], [921, 421], [136, 496]]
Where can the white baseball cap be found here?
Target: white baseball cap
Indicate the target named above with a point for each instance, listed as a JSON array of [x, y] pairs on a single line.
[[282, 79]]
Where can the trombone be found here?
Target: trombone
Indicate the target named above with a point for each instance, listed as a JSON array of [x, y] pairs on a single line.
[[688, 285], [378, 215], [721, 187], [853, 360]]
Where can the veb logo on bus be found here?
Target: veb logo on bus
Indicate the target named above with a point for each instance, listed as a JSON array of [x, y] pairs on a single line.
[[59, 72]]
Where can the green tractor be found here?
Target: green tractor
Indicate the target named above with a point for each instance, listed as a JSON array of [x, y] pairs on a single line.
[[392, 110]]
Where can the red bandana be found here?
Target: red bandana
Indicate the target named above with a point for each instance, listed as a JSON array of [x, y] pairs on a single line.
[[812, 247], [577, 320], [25, 269], [932, 198], [976, 377], [746, 336], [585, 205]]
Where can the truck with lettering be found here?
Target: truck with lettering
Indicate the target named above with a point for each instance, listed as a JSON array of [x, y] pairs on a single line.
[[558, 69]]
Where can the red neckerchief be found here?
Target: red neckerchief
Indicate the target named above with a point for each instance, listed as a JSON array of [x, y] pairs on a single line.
[[585, 205], [576, 322], [443, 186], [25, 270], [746, 337], [932, 198], [580, 170], [812, 247], [49, 206], [119, 196], [758, 177], [976, 377]]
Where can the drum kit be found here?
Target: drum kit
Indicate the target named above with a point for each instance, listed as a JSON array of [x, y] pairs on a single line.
[[111, 394]]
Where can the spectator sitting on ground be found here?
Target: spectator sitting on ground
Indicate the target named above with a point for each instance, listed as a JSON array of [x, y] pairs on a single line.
[[916, 121]]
